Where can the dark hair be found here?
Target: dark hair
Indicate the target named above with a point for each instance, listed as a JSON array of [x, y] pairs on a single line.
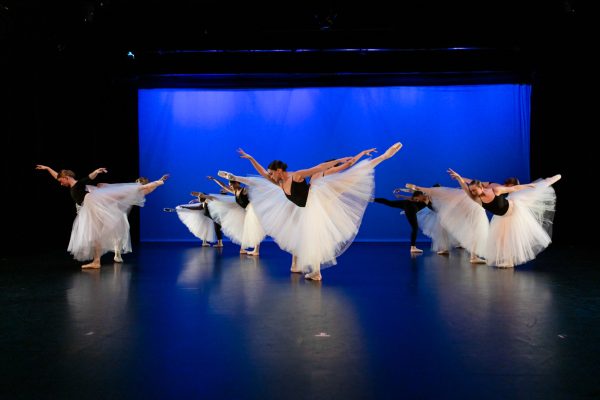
[[233, 182], [417, 193], [277, 164], [511, 181], [64, 173], [142, 180], [475, 182]]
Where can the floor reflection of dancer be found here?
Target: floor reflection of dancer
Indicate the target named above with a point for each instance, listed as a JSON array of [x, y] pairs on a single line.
[[315, 222], [520, 227], [196, 217], [100, 221], [238, 220], [411, 205]]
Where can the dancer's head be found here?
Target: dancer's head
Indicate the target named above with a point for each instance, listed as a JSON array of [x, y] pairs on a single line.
[[277, 169], [512, 181], [66, 177], [142, 180], [234, 185], [476, 187], [419, 196]]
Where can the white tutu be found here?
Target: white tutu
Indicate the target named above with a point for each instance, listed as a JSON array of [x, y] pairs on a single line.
[[321, 231], [197, 222], [429, 222], [101, 220], [525, 230], [240, 224], [462, 217]]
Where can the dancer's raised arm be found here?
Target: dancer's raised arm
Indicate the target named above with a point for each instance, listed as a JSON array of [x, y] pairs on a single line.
[[464, 185], [259, 168], [95, 173], [303, 173], [350, 162], [498, 190], [52, 172], [218, 182]]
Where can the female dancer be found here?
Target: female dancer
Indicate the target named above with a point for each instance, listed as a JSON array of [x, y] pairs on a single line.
[[101, 213], [459, 216], [411, 205], [196, 217], [238, 220], [429, 221], [520, 227], [315, 222]]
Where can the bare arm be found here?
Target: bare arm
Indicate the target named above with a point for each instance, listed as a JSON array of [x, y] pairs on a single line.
[[218, 182], [52, 172], [350, 162], [303, 173], [95, 173], [461, 182], [509, 189], [259, 168]]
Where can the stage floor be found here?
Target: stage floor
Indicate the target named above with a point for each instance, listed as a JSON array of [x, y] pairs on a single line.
[[179, 320]]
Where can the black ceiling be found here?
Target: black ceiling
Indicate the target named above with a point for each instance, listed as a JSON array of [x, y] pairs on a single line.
[[153, 29]]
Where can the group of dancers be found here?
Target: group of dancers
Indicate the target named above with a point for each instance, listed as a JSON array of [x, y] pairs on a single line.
[[315, 213]]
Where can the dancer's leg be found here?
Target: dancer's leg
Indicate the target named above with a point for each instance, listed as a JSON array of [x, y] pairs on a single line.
[[388, 154], [294, 267]]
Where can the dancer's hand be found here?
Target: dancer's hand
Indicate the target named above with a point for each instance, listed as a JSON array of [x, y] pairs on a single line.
[[210, 178], [164, 177], [42, 167], [453, 174], [243, 154], [369, 151], [101, 171]]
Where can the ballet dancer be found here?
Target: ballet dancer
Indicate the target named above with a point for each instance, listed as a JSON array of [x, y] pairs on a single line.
[[521, 224], [197, 218], [411, 205], [101, 213], [316, 221], [238, 219]]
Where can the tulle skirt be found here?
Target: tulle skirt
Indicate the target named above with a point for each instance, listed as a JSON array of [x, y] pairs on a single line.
[[525, 230], [197, 222], [240, 224], [101, 222], [323, 230], [429, 222], [463, 218]]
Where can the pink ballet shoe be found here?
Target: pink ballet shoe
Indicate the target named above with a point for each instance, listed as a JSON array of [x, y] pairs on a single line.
[[227, 175], [314, 276]]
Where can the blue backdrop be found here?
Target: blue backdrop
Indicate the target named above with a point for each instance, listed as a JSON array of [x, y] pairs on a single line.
[[481, 131]]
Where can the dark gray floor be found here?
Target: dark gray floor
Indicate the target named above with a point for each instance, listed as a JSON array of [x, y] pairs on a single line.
[[180, 320]]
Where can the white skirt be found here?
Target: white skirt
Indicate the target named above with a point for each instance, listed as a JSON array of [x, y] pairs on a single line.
[[240, 224], [463, 218], [323, 230], [429, 222], [101, 222], [525, 230], [197, 223]]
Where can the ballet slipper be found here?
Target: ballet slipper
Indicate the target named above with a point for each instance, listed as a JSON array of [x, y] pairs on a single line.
[[314, 276]]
